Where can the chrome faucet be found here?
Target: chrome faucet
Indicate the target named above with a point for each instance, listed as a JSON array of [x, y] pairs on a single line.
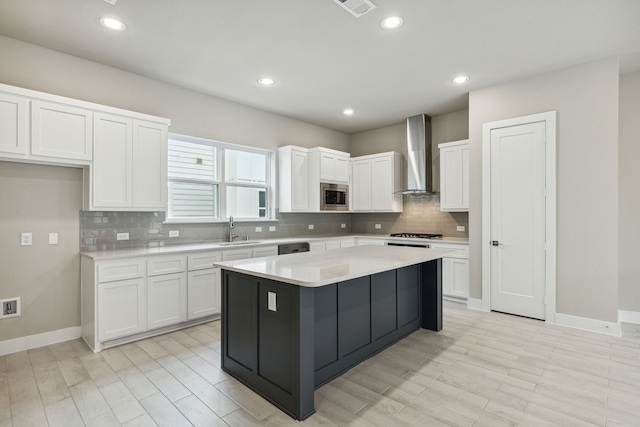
[[231, 227]]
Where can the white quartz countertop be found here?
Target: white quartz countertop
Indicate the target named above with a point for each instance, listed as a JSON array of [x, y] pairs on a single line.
[[314, 269], [211, 246]]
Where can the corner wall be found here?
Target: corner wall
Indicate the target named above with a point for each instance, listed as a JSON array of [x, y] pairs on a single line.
[[629, 195], [586, 100]]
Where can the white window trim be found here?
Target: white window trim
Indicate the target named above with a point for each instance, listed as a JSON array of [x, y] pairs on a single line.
[[223, 216]]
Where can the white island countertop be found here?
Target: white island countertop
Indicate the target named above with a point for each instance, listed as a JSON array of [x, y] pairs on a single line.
[[313, 269]]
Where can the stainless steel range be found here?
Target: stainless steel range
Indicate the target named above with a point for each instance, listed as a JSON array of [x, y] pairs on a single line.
[[414, 236]]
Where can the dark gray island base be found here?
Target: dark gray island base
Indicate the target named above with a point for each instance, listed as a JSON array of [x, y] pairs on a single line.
[[317, 333]]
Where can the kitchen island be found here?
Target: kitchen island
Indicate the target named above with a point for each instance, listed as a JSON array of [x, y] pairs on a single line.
[[292, 323]]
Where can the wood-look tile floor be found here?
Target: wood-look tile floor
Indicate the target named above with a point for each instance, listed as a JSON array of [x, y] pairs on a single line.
[[482, 369]]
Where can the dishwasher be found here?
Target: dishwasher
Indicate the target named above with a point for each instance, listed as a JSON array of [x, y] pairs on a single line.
[[292, 248]]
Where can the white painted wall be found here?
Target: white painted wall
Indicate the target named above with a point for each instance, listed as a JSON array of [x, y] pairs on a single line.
[[586, 100], [629, 192]]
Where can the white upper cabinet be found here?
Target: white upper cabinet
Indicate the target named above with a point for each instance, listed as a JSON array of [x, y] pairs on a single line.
[[377, 183], [293, 179], [130, 164], [361, 185], [61, 131], [454, 176], [14, 125], [330, 165]]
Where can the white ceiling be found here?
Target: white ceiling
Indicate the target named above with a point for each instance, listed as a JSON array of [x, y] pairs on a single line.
[[323, 59]]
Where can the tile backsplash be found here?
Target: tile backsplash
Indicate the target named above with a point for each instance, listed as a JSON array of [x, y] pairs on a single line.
[[98, 230]]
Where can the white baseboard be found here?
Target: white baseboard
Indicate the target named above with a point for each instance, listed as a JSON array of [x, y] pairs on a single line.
[[39, 340], [629, 316], [593, 325], [475, 304]]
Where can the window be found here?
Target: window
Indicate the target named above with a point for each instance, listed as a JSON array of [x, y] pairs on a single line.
[[210, 180]]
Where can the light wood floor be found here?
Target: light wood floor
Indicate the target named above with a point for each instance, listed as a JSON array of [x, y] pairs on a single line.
[[482, 369]]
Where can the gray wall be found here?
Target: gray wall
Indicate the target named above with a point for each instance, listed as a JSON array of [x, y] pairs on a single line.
[[629, 194], [40, 200], [586, 100], [50, 286], [420, 214]]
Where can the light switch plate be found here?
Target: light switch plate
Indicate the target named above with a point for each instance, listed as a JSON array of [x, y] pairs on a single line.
[[174, 233], [460, 228], [258, 229], [53, 238], [311, 227], [26, 239], [122, 236], [378, 226], [272, 228], [271, 296], [343, 225]]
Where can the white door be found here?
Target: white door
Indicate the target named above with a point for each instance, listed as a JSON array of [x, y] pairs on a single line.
[[517, 235]]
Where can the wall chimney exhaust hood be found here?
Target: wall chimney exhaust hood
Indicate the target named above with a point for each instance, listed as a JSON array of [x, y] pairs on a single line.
[[419, 167]]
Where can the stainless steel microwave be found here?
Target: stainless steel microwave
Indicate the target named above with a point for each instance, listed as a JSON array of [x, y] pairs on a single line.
[[334, 197]]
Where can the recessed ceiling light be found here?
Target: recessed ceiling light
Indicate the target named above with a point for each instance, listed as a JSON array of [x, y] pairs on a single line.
[[348, 112], [266, 81], [113, 24], [391, 22], [461, 79]]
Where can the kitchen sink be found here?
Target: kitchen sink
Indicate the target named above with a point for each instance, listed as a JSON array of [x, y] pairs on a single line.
[[246, 242]]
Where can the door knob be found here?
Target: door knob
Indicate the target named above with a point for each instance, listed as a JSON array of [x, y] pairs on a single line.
[[496, 243]]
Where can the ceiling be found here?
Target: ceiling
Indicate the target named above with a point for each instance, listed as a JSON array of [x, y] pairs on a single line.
[[323, 59]]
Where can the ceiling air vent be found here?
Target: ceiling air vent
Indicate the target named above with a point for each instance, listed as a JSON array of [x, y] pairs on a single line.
[[356, 7]]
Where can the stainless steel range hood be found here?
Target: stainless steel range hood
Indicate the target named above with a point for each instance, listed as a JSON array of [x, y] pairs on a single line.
[[419, 167]]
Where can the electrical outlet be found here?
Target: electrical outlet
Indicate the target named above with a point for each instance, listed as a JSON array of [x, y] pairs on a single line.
[[378, 226], [343, 225], [272, 228], [53, 238], [460, 228], [122, 236], [258, 229], [174, 233], [11, 307], [26, 239], [311, 227]]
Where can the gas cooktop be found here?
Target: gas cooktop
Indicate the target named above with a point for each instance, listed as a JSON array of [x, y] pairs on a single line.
[[418, 235]]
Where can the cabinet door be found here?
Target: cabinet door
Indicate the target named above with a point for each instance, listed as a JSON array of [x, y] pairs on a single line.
[[299, 181], [237, 254], [446, 276], [166, 300], [266, 251], [61, 132], [203, 260], [14, 124], [204, 293], [464, 177], [382, 184], [121, 308], [333, 244], [347, 243], [327, 167], [149, 165], [449, 179], [459, 271], [317, 246], [112, 166], [361, 188], [342, 169]]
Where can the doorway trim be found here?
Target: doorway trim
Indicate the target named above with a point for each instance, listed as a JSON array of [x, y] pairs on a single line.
[[549, 118]]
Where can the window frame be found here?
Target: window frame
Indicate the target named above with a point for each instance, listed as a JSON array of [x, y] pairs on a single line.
[[220, 181]]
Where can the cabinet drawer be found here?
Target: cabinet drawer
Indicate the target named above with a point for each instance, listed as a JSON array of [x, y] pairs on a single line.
[[237, 254], [265, 251], [111, 271], [462, 251], [203, 260], [166, 265]]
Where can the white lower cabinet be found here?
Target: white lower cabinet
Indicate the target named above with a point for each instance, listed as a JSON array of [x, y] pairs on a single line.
[[332, 244], [166, 300], [317, 246], [455, 277], [204, 293], [455, 270], [364, 241], [122, 308]]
